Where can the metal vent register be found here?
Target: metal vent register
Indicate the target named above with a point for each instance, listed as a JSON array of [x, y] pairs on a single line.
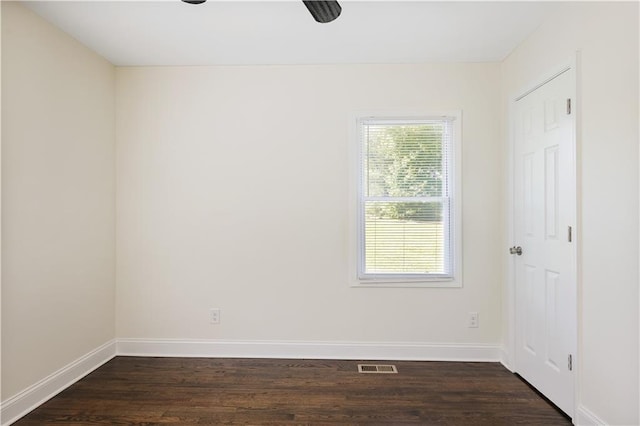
[[377, 368]]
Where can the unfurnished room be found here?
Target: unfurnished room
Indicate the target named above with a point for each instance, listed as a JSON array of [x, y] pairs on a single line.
[[320, 212]]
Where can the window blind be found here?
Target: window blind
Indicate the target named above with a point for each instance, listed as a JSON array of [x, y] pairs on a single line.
[[405, 198]]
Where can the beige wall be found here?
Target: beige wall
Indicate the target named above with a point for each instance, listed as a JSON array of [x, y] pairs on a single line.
[[607, 36], [57, 199], [233, 192], [0, 217]]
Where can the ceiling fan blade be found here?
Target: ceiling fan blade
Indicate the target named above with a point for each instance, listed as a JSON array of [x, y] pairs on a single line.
[[323, 11]]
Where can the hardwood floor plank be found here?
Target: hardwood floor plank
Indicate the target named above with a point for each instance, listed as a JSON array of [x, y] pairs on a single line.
[[184, 391]]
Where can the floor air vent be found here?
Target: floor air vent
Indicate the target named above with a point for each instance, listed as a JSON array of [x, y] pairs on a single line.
[[377, 368]]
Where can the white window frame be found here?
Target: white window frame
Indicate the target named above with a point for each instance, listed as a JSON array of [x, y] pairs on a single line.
[[358, 278]]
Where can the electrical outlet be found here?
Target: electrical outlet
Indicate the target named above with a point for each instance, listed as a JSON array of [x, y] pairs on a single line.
[[474, 321], [214, 316]]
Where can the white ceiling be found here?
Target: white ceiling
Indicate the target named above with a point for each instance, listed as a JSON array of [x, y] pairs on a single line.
[[220, 32]]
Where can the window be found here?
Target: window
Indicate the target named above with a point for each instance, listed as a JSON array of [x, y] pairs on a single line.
[[407, 218]]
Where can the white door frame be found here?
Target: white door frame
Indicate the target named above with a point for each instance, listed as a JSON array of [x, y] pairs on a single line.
[[510, 360]]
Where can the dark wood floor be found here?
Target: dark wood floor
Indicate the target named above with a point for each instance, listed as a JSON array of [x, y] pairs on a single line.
[[145, 391]]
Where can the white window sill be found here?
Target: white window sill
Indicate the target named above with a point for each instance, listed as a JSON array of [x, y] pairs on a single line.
[[406, 284]]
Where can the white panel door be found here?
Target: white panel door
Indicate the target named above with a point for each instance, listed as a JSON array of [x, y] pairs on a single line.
[[544, 196]]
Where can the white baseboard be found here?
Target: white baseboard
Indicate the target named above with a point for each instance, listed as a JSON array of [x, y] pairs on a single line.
[[584, 417], [505, 359], [36, 394], [308, 350]]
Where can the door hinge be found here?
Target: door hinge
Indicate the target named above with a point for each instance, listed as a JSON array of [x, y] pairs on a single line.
[[570, 234], [570, 362], [569, 106]]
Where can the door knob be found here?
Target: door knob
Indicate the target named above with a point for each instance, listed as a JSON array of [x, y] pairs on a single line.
[[516, 250]]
